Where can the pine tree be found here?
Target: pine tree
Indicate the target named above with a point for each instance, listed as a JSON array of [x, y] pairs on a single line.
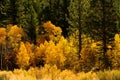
[[56, 12], [13, 12], [4, 12], [77, 13], [32, 21], [117, 7], [21, 13], [101, 25]]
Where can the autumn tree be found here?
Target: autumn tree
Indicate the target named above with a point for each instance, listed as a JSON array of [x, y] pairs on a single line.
[[30, 47], [70, 52], [113, 52], [22, 57], [46, 50], [55, 50], [89, 56], [58, 11], [39, 55], [14, 35], [3, 35], [13, 39], [52, 32]]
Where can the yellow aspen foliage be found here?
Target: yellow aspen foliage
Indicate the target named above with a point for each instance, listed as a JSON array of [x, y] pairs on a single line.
[[15, 33], [114, 54], [117, 41], [70, 53], [30, 47], [48, 26], [49, 53], [64, 45], [49, 72], [57, 31], [89, 58], [93, 45], [114, 57], [68, 75], [39, 50], [54, 55], [23, 57], [117, 37], [40, 39], [3, 35], [52, 32], [39, 54]]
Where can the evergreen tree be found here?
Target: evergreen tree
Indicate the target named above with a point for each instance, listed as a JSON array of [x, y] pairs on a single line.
[[39, 7], [56, 12], [101, 24], [77, 13], [21, 12], [117, 7], [13, 12], [4, 12], [32, 21]]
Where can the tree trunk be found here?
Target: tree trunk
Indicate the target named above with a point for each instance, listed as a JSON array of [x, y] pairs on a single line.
[[104, 38], [1, 52], [80, 29]]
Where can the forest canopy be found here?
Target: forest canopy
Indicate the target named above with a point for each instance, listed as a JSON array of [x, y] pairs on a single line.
[[70, 34]]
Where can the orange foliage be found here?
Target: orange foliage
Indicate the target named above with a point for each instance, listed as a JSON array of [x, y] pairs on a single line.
[[15, 33], [23, 57], [114, 53], [30, 48], [52, 32], [54, 49], [89, 58], [39, 54], [3, 35], [54, 55]]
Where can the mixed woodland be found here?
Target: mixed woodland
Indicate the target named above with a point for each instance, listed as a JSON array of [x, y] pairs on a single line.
[[62, 37]]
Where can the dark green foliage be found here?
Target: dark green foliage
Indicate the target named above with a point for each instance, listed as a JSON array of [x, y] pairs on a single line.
[[77, 12], [21, 12], [32, 21], [57, 13], [4, 12], [101, 24], [95, 22]]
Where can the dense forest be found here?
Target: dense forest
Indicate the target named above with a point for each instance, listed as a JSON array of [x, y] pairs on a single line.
[[77, 35]]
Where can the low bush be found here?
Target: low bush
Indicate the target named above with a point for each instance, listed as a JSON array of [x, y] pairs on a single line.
[[49, 72]]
